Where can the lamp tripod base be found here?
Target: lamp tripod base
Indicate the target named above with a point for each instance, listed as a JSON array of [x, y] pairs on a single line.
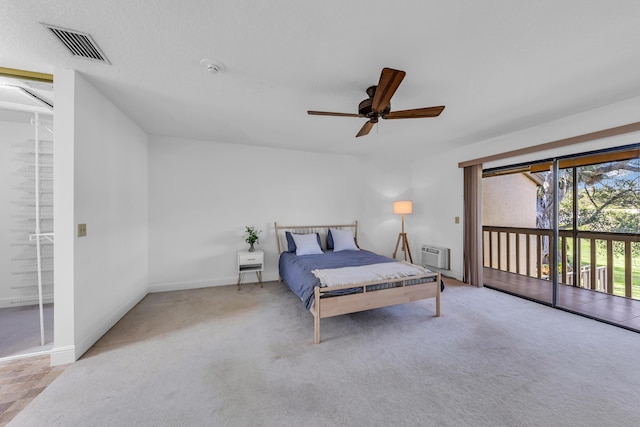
[[405, 247]]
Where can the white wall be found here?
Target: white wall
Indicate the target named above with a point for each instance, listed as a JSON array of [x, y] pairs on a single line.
[[101, 167], [437, 198], [202, 194], [383, 182], [438, 181], [64, 301]]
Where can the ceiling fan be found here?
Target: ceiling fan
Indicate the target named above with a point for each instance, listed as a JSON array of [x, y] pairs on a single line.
[[378, 104]]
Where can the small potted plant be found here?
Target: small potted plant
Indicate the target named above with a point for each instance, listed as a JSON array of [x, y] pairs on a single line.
[[251, 237]]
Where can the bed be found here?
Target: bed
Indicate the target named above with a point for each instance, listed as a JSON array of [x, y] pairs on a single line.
[[339, 282]]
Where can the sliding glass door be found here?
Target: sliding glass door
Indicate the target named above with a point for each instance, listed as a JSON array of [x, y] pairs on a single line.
[[582, 253], [600, 246], [517, 215]]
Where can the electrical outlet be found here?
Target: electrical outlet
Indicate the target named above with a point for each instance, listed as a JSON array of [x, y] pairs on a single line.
[[457, 220], [82, 230]]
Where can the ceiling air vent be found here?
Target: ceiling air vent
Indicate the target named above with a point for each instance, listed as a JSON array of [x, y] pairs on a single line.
[[79, 44]]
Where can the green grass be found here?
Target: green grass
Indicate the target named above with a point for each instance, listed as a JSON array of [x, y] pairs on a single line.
[[618, 267]]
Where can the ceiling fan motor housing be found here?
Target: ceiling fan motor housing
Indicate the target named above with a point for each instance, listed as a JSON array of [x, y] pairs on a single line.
[[365, 108]]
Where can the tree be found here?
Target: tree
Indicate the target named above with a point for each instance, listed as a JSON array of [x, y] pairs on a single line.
[[611, 189], [544, 209], [608, 198]]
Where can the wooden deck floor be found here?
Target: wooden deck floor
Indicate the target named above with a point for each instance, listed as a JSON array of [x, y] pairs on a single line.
[[624, 312]]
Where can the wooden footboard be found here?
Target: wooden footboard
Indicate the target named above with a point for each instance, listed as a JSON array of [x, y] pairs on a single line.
[[367, 300]]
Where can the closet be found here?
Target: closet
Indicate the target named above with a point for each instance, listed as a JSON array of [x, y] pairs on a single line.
[[26, 218]]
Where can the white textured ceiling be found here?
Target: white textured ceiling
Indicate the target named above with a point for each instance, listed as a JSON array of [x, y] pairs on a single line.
[[497, 65]]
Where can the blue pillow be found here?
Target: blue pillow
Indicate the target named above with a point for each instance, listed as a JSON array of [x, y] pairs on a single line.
[[343, 240], [307, 244], [330, 241], [291, 244]]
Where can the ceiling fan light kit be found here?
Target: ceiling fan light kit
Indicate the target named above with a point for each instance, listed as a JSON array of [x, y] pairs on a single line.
[[379, 103]]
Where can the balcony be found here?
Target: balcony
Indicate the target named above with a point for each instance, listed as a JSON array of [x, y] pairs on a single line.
[[514, 261]]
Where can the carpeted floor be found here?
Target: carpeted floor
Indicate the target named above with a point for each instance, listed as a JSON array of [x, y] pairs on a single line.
[[224, 357]]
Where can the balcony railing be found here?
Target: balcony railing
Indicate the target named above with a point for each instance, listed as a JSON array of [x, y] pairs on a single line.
[[599, 285], [522, 251]]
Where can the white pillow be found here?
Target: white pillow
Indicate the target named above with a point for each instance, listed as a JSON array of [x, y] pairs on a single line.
[[343, 241], [306, 244]]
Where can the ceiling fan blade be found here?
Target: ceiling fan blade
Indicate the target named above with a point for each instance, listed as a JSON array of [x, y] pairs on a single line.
[[365, 129], [390, 79], [415, 114], [328, 113]]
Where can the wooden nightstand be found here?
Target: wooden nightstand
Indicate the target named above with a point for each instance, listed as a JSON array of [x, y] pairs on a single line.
[[249, 262]]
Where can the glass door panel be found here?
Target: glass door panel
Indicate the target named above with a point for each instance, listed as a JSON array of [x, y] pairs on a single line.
[[605, 235], [517, 216]]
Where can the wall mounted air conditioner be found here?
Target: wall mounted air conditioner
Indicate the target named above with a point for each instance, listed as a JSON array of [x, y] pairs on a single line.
[[433, 256]]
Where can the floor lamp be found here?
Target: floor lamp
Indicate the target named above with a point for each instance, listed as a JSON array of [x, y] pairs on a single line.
[[403, 207]]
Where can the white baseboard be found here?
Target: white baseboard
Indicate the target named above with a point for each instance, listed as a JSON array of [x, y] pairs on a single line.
[[63, 355], [24, 356], [197, 284], [455, 274]]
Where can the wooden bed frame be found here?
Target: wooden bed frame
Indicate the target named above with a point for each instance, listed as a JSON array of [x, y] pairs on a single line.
[[366, 300]]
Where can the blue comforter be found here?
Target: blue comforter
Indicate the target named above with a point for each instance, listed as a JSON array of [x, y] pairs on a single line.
[[296, 270]]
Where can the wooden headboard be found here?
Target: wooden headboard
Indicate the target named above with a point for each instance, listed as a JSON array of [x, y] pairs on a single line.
[[281, 240]]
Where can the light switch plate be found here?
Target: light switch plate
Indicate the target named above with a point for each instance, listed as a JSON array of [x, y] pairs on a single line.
[[82, 230], [457, 220]]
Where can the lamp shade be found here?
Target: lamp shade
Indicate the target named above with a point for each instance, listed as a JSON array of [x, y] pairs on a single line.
[[403, 207]]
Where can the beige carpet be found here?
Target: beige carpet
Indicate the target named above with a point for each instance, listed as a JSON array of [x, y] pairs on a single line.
[[222, 357]]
